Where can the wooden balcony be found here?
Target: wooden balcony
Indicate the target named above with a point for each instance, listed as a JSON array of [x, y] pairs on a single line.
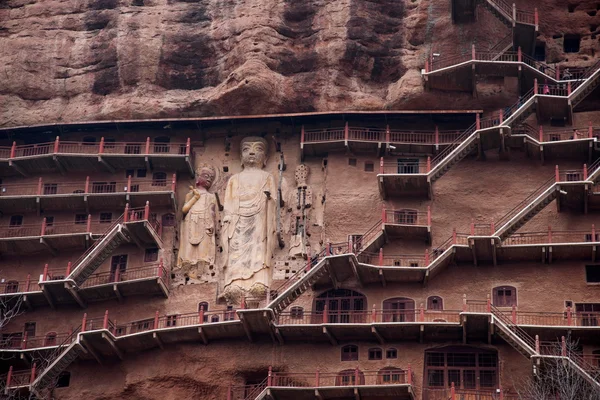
[[397, 179], [64, 156], [149, 280], [407, 224], [347, 384], [87, 195]]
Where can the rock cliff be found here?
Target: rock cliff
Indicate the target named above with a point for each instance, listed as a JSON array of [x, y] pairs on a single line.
[[73, 60]]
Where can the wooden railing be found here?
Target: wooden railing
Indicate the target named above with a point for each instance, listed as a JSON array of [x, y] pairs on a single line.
[[373, 316], [406, 217], [102, 147], [151, 271], [404, 168], [378, 135], [395, 260]]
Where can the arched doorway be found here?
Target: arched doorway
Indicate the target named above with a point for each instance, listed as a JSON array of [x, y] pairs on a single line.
[[399, 309], [344, 306]]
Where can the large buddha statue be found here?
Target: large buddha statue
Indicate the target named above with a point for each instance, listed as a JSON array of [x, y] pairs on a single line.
[[198, 247], [249, 224]]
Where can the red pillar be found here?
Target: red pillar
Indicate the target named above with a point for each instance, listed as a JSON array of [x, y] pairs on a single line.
[[270, 377], [147, 211], [201, 315], [409, 375], [43, 232], [346, 132], [501, 116], [488, 305], [302, 135], [383, 214], [569, 316], [514, 314], [535, 87], [129, 184], [33, 371], [473, 54], [89, 223], [519, 55], [13, 150], [536, 18], [27, 282], [374, 314], [429, 215], [437, 135], [105, 320], [585, 172], [317, 378], [147, 145], [45, 276], [421, 313], [325, 314], [56, 144], [452, 391], [87, 185], [156, 320], [39, 186], [101, 149], [541, 134], [453, 235], [568, 88], [69, 268], [174, 182], [428, 164], [9, 376], [188, 146], [381, 165], [556, 174], [477, 121], [229, 394], [24, 341], [84, 322]]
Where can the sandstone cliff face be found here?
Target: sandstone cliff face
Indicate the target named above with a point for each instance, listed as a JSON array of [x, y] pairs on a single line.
[[74, 60]]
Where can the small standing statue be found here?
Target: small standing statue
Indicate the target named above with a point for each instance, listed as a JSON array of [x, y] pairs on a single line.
[[198, 245], [249, 224], [300, 203]]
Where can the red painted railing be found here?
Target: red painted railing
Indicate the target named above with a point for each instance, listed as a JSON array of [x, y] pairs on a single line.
[[102, 147], [367, 317], [152, 271], [56, 228], [453, 393], [407, 217], [24, 342], [376, 135], [395, 260], [405, 168]]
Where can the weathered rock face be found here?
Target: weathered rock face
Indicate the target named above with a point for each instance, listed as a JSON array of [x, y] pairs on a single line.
[[71, 60]]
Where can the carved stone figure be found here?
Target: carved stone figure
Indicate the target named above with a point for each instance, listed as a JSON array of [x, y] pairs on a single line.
[[198, 246], [249, 224], [299, 205]]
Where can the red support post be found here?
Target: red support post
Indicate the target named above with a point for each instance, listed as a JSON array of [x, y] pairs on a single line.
[[346, 132], [84, 322], [117, 277], [549, 234], [105, 320], [229, 394], [188, 146], [13, 150], [557, 72], [535, 87], [128, 183], [325, 314], [409, 375], [56, 144], [488, 305], [453, 235], [147, 145], [39, 186], [270, 377], [43, 232], [388, 135], [556, 174], [514, 314], [87, 185], [428, 164], [381, 165], [477, 122], [302, 135], [27, 282], [101, 149], [537, 344], [428, 215], [427, 257], [126, 213], [45, 276], [156, 320], [9, 376], [536, 18], [421, 313], [492, 228], [519, 54], [201, 315], [437, 135], [381, 256], [243, 303], [174, 182], [356, 377], [590, 130], [563, 346], [374, 314], [317, 379], [541, 134], [585, 172], [569, 88], [473, 54], [69, 268], [89, 223], [452, 391], [569, 316], [501, 116], [24, 341]]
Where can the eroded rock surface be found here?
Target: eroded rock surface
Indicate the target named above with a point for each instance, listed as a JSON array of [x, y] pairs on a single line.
[[73, 60]]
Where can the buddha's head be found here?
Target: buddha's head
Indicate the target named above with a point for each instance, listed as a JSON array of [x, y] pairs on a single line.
[[253, 152], [205, 176]]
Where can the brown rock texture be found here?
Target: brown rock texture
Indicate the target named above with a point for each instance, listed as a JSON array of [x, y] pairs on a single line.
[[76, 60]]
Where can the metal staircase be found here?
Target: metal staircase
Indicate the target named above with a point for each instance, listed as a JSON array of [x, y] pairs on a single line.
[[501, 10], [527, 209], [89, 262], [585, 85], [48, 376]]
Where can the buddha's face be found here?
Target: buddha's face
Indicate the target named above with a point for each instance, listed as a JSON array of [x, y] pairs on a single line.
[[254, 154], [206, 177]]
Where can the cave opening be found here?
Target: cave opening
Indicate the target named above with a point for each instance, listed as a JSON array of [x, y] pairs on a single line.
[[572, 7], [540, 51], [571, 43]]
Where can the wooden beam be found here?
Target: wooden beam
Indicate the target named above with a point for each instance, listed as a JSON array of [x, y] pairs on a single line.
[[59, 165], [17, 168], [549, 254], [331, 338], [356, 393], [112, 344], [117, 293], [106, 165], [202, 335], [494, 255], [84, 343], [464, 326], [148, 163], [318, 394], [421, 333], [27, 302], [355, 272], [157, 340], [382, 277], [75, 295], [51, 249], [136, 241], [48, 297], [246, 327], [378, 336]]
